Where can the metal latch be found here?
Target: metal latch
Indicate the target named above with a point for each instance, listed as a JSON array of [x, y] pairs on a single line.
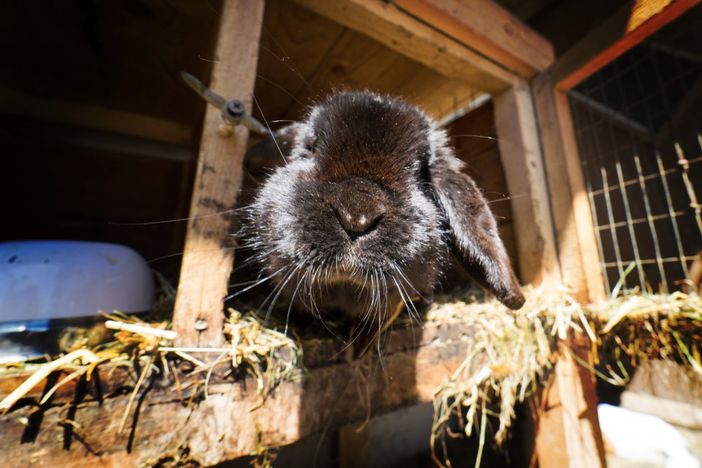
[[233, 110]]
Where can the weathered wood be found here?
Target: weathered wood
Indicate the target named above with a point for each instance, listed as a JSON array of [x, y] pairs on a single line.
[[577, 252], [95, 117], [487, 28], [568, 430], [394, 28], [294, 42], [520, 151], [208, 253], [304, 56], [667, 380], [626, 28], [235, 419], [95, 72], [356, 61], [580, 205], [679, 413]]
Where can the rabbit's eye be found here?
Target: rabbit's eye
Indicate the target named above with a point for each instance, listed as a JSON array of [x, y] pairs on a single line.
[[311, 145]]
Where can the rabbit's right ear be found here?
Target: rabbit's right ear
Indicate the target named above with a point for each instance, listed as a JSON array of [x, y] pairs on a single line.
[[474, 236]]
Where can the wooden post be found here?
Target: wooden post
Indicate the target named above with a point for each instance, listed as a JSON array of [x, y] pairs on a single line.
[[520, 151], [568, 433], [568, 430], [585, 225], [577, 248], [208, 256]]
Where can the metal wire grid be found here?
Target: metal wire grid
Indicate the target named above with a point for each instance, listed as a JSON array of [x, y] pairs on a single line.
[[639, 130]]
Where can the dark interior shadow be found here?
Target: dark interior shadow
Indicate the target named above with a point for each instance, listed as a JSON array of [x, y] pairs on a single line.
[[31, 431]]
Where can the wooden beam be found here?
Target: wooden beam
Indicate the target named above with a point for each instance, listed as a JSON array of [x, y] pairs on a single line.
[[94, 117], [679, 413], [568, 430], [577, 249], [584, 224], [97, 140], [394, 28], [668, 380], [487, 28], [626, 28], [208, 253], [520, 151], [235, 419]]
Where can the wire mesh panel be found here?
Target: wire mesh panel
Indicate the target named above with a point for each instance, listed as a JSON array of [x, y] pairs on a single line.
[[638, 123]]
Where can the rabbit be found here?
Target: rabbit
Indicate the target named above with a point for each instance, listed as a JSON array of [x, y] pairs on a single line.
[[366, 210]]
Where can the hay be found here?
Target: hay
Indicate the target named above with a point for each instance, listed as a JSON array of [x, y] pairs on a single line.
[[509, 354], [267, 354], [637, 327]]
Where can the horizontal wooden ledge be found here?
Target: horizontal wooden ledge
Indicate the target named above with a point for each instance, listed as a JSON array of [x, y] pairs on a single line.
[[234, 419]]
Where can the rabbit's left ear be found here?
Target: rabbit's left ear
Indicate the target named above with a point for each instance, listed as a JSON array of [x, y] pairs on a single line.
[[475, 239]]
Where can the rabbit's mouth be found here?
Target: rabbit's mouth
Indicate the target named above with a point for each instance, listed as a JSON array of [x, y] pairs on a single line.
[[353, 298], [344, 275]]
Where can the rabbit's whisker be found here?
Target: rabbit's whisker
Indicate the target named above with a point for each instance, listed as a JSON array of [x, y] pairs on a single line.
[[282, 287], [255, 282]]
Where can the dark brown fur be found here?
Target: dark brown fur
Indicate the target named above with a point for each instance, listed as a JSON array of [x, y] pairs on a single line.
[[366, 210]]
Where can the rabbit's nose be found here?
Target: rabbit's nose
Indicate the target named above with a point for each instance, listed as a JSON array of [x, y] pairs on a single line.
[[358, 221]]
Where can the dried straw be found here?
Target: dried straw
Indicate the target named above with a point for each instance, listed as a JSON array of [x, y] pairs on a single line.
[[267, 354], [510, 353]]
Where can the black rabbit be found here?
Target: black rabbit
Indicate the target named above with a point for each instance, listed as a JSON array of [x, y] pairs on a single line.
[[366, 209]]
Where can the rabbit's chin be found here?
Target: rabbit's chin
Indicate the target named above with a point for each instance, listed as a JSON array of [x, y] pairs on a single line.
[[355, 294], [354, 302]]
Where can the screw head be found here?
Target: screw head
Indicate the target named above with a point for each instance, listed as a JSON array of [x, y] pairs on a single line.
[[200, 325], [235, 108]]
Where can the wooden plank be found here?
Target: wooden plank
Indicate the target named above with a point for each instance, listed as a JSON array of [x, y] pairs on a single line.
[[487, 28], [626, 28], [234, 420], [94, 68], [568, 431], [357, 61], [208, 253], [304, 55], [667, 380], [580, 205], [94, 117], [97, 140], [582, 276], [390, 26], [678, 413], [294, 41], [520, 151]]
